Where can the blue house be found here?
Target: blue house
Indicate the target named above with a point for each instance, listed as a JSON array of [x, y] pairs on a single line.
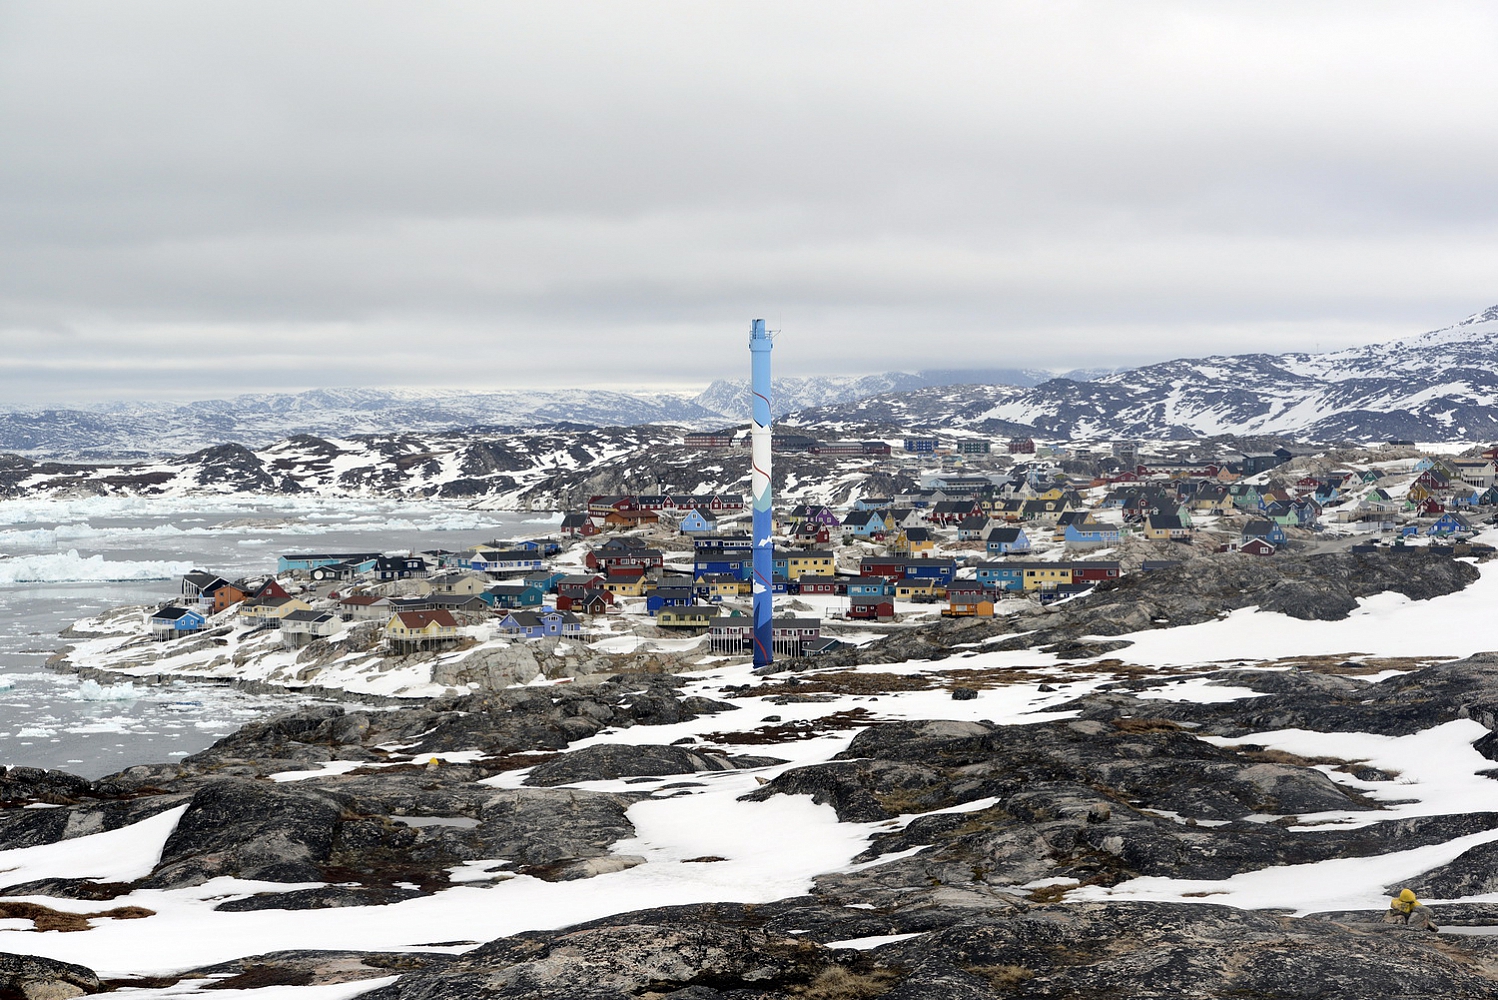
[[1269, 531], [864, 523], [1452, 524], [940, 570], [1007, 541], [1091, 533], [733, 562], [172, 621], [870, 586], [669, 597], [546, 579], [510, 561], [1002, 576], [513, 596], [540, 624], [920, 445], [699, 522], [311, 561]]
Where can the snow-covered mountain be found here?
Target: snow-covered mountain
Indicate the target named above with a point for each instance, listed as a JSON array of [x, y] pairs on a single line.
[[1441, 385], [140, 430], [152, 429], [731, 396]]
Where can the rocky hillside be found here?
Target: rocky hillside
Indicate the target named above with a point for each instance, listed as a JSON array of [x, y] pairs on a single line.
[[547, 468], [828, 834]]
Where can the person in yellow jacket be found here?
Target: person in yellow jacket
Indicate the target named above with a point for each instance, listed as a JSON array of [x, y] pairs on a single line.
[[1406, 909]]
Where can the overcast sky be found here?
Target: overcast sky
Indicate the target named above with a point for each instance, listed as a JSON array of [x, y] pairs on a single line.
[[201, 199]]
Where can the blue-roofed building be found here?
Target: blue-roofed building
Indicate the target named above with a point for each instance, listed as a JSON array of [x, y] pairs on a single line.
[[870, 586], [1091, 533], [733, 562]]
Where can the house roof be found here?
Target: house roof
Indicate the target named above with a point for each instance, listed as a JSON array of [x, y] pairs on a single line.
[[309, 616], [418, 620], [534, 619], [171, 613]]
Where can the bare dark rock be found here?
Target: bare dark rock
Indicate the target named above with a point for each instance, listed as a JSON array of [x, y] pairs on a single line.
[[251, 830], [620, 760], [28, 976]]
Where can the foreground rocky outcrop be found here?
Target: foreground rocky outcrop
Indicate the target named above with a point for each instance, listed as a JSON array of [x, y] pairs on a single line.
[[989, 848], [1324, 587]]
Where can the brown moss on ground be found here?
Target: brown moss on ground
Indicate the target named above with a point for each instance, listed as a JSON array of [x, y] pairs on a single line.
[[1343, 664], [1136, 724], [838, 983], [788, 732], [848, 682], [1003, 978], [44, 918]]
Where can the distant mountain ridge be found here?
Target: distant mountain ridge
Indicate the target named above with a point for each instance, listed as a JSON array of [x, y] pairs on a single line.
[[1441, 385], [731, 396], [1438, 386], [136, 430]]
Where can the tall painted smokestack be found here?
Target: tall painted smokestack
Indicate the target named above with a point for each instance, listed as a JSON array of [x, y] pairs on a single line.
[[759, 486]]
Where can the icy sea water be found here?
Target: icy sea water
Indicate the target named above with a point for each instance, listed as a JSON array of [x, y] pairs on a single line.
[[65, 560]]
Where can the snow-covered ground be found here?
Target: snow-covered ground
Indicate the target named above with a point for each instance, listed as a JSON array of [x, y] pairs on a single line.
[[775, 848]]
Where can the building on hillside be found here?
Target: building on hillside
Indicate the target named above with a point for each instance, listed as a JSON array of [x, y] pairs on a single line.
[[301, 627], [789, 636], [687, 616], [542, 624], [699, 522], [710, 439], [1007, 541], [408, 631], [269, 611], [173, 622]]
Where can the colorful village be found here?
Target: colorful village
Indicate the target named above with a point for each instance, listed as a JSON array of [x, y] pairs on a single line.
[[629, 571]]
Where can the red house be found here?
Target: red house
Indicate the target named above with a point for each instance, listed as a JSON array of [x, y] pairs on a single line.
[[871, 608], [1093, 572]]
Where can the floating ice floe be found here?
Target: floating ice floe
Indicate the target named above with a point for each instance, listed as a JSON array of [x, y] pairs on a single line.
[[92, 690], [70, 567]]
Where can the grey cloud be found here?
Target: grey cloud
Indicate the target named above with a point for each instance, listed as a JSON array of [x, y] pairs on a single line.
[[216, 198]]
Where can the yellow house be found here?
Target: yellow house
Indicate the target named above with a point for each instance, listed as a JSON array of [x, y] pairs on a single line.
[[1213, 505], [270, 610], [421, 628], [1164, 527], [813, 563], [626, 586], [919, 543], [1040, 577], [916, 590], [722, 585], [693, 617]]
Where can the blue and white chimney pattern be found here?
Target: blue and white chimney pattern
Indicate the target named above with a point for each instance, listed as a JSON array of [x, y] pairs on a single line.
[[759, 486]]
